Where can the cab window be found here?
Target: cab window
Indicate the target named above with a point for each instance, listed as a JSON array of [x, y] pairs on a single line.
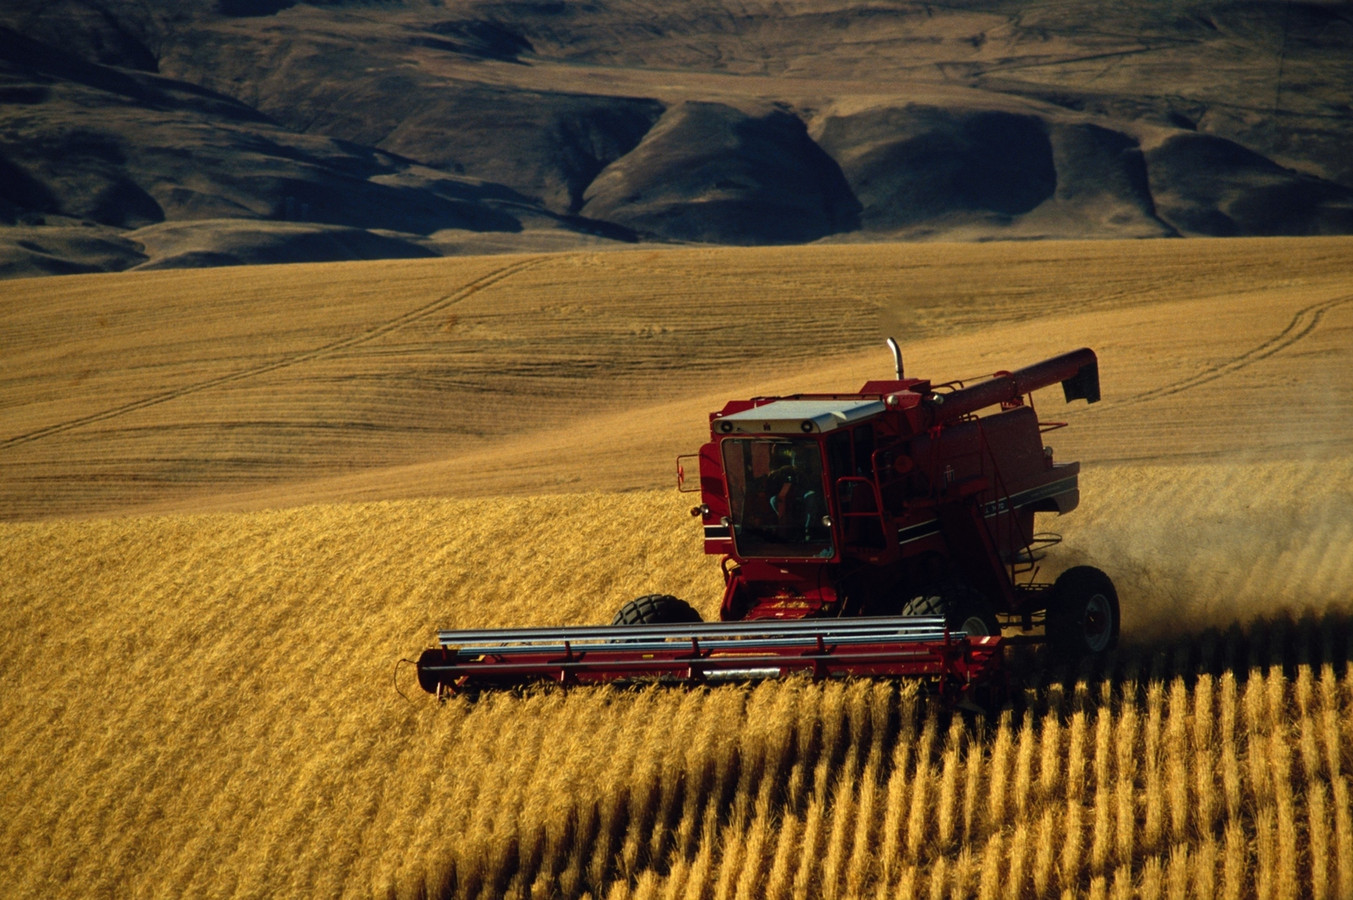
[[776, 497]]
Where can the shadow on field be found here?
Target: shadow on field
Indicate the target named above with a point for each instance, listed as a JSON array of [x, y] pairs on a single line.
[[1287, 640], [690, 817]]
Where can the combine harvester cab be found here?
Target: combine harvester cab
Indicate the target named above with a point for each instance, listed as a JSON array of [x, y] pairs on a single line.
[[887, 532]]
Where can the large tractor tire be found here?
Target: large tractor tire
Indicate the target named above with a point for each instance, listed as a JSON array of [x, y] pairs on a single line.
[[656, 609], [1082, 617], [963, 608]]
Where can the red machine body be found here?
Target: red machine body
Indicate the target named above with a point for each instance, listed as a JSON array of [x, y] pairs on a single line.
[[884, 532], [897, 498]]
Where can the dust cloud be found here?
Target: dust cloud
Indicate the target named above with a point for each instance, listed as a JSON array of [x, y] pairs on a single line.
[[1193, 547]]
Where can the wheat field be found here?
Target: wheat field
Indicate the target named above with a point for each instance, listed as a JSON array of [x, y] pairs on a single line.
[[205, 689]]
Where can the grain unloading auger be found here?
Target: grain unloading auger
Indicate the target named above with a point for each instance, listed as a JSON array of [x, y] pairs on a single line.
[[887, 532]]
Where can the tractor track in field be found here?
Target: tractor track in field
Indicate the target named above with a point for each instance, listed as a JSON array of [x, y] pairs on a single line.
[[1302, 323], [429, 309]]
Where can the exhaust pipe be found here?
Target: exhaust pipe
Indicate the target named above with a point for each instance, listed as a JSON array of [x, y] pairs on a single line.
[[897, 356]]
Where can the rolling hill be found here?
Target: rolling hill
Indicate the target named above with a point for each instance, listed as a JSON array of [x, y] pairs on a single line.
[[219, 132], [179, 391]]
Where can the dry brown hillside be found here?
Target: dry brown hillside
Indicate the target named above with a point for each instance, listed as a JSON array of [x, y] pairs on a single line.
[[236, 499], [190, 133]]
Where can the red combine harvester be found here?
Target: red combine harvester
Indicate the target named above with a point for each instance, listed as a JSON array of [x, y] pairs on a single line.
[[886, 532]]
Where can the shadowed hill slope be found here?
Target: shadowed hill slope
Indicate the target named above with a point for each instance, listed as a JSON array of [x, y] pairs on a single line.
[[709, 173], [528, 126]]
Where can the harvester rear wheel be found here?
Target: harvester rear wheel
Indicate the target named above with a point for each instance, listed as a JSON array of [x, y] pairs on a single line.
[[656, 609], [1082, 617], [963, 608]]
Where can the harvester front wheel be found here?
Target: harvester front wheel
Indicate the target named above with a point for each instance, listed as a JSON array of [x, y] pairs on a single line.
[[963, 608], [1082, 617], [656, 609]]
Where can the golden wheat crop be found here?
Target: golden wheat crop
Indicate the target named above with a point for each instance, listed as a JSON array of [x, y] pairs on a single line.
[[208, 706]]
